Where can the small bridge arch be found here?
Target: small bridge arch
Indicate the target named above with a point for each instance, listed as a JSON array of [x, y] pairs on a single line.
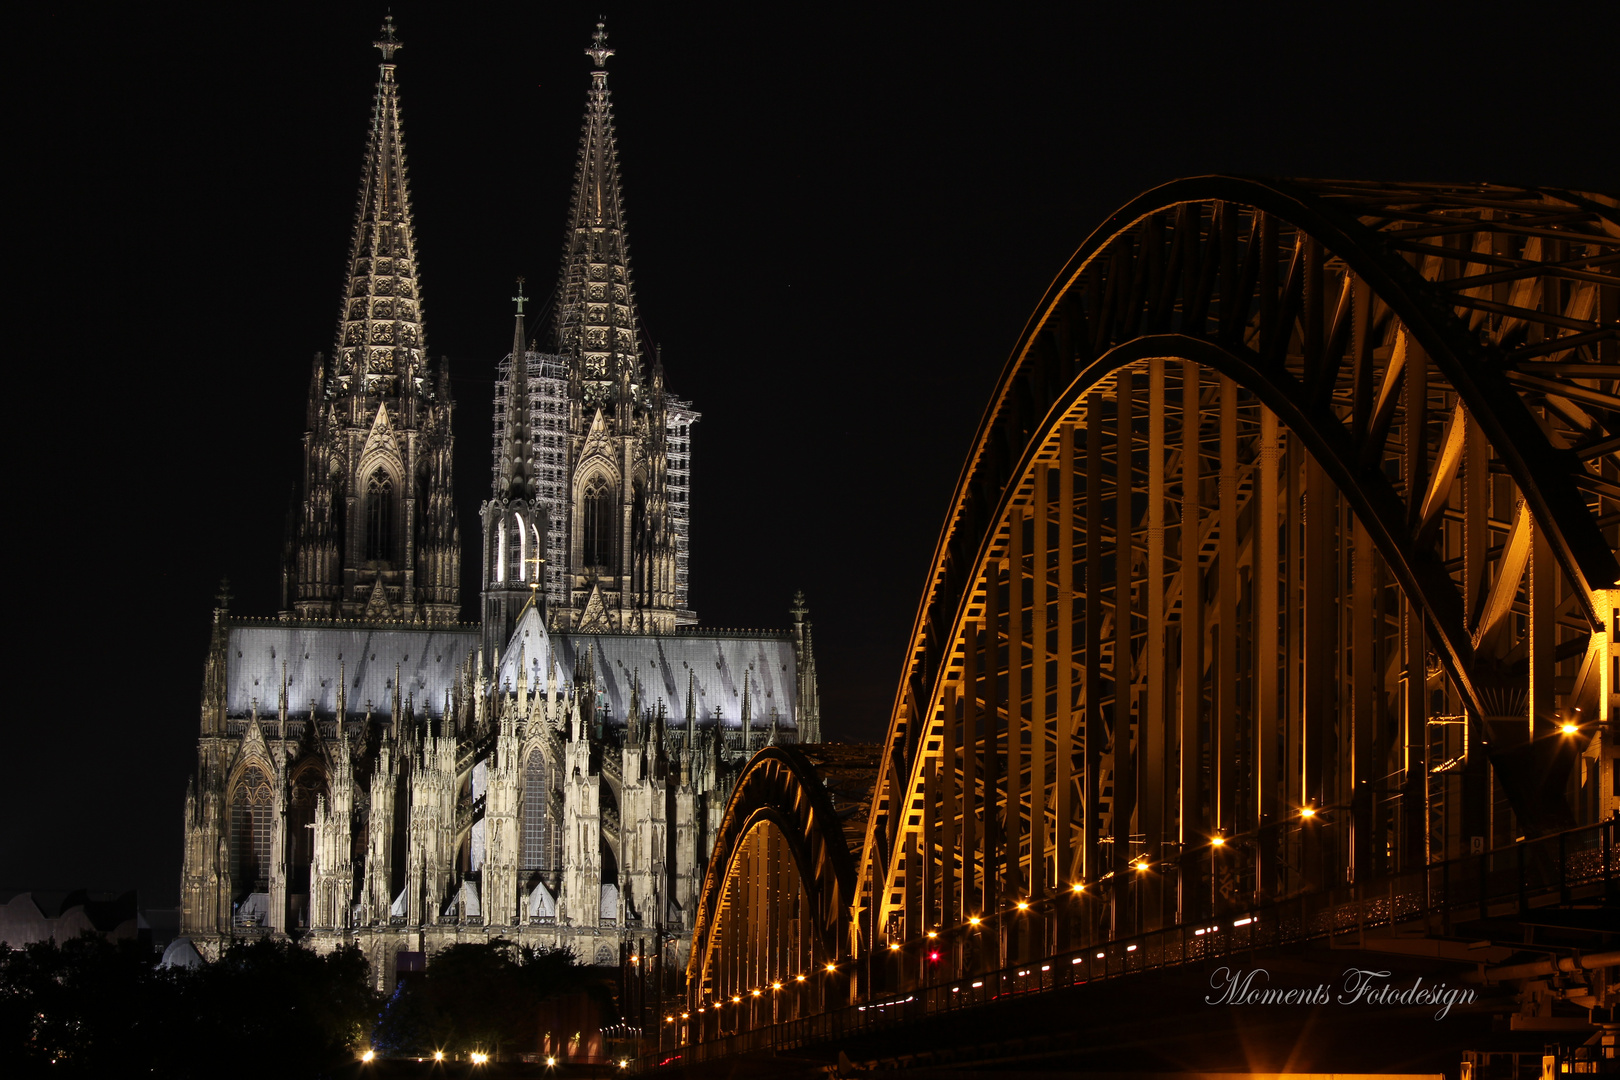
[[771, 931]]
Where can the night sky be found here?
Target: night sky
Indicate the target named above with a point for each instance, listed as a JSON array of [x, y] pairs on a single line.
[[840, 219]]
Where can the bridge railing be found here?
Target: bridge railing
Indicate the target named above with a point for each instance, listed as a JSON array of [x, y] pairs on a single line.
[[1582, 862]]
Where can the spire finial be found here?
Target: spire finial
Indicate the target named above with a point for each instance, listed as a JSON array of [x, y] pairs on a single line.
[[389, 44], [599, 52], [520, 298]]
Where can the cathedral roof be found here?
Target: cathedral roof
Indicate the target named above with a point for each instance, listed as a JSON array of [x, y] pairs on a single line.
[[714, 668], [380, 332], [428, 662]]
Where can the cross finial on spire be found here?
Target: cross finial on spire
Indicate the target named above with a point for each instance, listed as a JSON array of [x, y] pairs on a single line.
[[520, 298], [599, 52], [389, 43]]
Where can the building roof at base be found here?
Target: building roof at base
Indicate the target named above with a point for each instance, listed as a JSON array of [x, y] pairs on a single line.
[[715, 669]]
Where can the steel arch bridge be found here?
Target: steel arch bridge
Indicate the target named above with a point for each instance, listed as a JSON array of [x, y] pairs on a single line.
[[1284, 560], [776, 898]]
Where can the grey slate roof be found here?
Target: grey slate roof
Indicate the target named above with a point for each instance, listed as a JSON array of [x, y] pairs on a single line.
[[717, 665], [430, 660], [429, 665]]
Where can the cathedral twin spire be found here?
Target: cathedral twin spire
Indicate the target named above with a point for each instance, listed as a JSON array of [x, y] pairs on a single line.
[[376, 537], [380, 333], [596, 319]]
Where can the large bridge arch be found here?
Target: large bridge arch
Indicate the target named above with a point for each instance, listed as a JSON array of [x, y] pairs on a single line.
[[776, 899], [1417, 389]]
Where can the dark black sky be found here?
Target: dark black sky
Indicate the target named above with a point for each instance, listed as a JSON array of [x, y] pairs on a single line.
[[840, 218]]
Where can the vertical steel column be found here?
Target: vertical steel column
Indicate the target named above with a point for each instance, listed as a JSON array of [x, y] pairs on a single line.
[[950, 894], [1015, 700], [1092, 688], [1414, 648], [1194, 896], [1476, 778], [1036, 723], [1223, 725], [928, 897], [1365, 689], [989, 709], [1064, 772], [1124, 804], [1152, 725], [1266, 760], [973, 808]]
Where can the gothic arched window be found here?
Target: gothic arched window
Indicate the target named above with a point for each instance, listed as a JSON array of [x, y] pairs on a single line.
[[597, 511], [250, 832], [380, 516], [536, 814]]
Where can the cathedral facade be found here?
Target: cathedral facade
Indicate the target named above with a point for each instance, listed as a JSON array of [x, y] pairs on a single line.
[[373, 771]]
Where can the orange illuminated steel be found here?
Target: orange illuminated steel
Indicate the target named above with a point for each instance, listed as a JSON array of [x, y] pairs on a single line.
[[1128, 592]]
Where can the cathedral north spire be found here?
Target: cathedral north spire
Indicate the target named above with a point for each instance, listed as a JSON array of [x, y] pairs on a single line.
[[596, 317], [380, 341]]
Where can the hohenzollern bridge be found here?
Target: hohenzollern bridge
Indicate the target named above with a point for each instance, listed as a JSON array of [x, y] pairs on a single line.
[[1272, 629]]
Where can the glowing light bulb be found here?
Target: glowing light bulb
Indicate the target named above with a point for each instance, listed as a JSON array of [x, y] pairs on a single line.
[[1023, 905], [368, 1055], [1307, 812], [832, 967], [973, 920], [1077, 887], [798, 978], [893, 947], [1569, 729], [1218, 841]]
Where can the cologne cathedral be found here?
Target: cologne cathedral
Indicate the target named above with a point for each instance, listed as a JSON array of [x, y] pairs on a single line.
[[373, 771]]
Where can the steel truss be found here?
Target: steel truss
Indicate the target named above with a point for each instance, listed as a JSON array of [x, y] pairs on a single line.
[[1284, 557], [775, 901]]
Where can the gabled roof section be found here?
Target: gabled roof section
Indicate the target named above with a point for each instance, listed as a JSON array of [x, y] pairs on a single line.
[[596, 318], [380, 334], [529, 650]]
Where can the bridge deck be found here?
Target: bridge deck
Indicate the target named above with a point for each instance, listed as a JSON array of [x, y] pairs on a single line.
[[1575, 869]]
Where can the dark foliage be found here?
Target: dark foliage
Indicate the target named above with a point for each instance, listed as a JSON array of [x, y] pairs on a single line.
[[481, 996], [90, 1007]]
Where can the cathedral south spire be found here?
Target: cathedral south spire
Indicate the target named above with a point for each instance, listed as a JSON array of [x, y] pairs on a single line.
[[376, 536], [596, 316]]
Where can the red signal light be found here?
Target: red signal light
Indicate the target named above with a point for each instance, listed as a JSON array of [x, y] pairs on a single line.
[[934, 956]]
